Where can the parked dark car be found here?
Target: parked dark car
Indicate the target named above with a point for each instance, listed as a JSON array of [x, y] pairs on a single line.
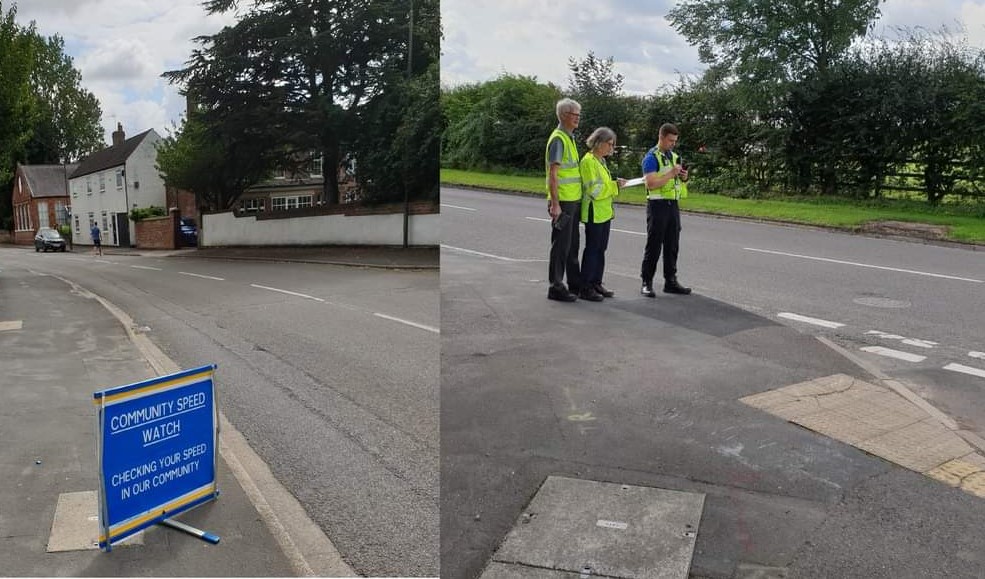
[[49, 239], [188, 232]]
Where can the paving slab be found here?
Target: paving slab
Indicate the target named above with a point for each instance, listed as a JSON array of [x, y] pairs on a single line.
[[880, 422], [76, 524], [596, 528], [505, 571]]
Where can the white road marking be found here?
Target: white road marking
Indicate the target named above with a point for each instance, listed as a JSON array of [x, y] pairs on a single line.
[[290, 293], [909, 341], [202, 276], [807, 320], [977, 355], [409, 323], [966, 370], [500, 257], [14, 325], [628, 231], [940, 275], [457, 207], [146, 267], [890, 353]]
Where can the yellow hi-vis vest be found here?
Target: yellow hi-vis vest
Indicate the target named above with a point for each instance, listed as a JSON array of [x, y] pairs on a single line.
[[673, 189], [598, 188], [568, 176]]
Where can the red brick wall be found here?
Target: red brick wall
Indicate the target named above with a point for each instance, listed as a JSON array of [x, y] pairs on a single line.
[[183, 200], [156, 233]]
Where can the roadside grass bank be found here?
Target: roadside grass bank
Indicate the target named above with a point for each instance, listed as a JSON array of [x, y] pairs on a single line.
[[962, 223]]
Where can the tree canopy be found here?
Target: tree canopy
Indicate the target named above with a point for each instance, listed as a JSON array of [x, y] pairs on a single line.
[[46, 116], [293, 79]]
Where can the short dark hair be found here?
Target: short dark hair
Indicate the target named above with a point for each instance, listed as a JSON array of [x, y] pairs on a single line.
[[668, 129]]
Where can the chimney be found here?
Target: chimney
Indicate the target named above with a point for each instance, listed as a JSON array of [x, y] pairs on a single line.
[[118, 135]]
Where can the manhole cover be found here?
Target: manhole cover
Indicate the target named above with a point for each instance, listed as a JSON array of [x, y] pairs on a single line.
[[882, 302]]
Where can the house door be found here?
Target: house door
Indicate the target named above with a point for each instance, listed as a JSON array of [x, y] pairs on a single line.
[[122, 230]]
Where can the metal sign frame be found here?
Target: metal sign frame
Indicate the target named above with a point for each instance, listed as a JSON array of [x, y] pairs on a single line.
[[111, 532]]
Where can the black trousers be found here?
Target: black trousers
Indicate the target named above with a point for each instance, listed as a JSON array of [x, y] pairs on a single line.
[[596, 242], [663, 231], [564, 248]]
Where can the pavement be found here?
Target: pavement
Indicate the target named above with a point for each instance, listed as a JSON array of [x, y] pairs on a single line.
[[809, 464], [58, 344]]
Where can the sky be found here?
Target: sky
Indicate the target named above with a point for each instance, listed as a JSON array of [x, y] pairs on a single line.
[[485, 38], [122, 47]]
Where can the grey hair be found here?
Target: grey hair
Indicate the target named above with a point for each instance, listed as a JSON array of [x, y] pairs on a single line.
[[599, 136], [566, 105]]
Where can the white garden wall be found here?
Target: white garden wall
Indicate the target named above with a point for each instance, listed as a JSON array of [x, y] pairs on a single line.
[[223, 229]]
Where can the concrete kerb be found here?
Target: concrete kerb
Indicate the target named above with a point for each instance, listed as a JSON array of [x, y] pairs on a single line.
[[316, 262], [310, 552], [911, 396]]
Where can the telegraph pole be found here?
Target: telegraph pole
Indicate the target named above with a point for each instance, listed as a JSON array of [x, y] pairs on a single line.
[[410, 53]]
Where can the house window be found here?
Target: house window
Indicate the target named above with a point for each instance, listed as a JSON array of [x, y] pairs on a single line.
[[119, 178], [75, 190], [19, 185], [292, 202], [251, 205], [315, 167], [105, 222], [77, 230], [43, 214], [92, 219], [102, 182], [61, 213], [89, 185]]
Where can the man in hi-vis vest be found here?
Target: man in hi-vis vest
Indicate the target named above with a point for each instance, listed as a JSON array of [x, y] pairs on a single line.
[[564, 202], [666, 183]]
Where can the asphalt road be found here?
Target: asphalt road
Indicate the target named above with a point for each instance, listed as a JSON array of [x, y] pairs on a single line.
[[645, 392], [330, 372], [881, 291]]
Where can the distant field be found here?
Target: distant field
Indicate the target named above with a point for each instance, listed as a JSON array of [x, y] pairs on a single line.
[[961, 223]]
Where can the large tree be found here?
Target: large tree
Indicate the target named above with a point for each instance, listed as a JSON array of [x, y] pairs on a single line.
[[766, 40], [46, 116], [294, 75], [67, 125]]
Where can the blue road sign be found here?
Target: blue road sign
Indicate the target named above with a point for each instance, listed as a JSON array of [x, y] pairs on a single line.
[[157, 451]]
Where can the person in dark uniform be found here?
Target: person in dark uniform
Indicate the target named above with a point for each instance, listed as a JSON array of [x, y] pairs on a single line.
[[665, 179]]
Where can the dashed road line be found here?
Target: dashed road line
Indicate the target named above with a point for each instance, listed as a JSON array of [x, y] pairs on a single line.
[[458, 207], [908, 341], [202, 276], [966, 370], [868, 265], [809, 320], [408, 322], [146, 267], [499, 257], [890, 353], [980, 355], [613, 229], [283, 291]]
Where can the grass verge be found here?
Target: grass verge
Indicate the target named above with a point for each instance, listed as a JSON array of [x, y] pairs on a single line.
[[960, 224]]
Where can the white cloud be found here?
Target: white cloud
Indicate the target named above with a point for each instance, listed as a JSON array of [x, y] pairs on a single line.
[[122, 47], [484, 38]]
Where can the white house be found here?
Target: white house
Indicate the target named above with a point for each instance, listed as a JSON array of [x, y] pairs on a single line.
[[109, 183]]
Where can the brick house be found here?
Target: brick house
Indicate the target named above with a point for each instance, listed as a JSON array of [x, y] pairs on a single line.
[[40, 199]]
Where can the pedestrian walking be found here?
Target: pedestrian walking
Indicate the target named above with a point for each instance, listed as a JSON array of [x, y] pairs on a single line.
[[598, 190], [665, 178], [564, 202], [94, 232]]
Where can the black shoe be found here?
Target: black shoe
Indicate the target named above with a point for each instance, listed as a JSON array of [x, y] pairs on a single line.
[[560, 294], [606, 293], [672, 287], [589, 293], [647, 290]]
